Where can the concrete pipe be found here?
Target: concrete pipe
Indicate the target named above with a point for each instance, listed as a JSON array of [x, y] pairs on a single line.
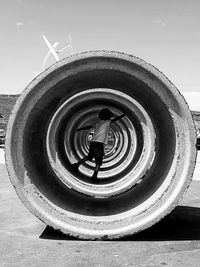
[[149, 159]]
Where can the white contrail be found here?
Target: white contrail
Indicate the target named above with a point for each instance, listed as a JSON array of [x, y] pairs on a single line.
[[51, 49]]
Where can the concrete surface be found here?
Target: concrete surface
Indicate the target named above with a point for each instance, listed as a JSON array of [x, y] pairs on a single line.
[[26, 241]]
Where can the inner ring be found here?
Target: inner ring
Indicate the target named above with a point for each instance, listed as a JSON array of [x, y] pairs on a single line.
[[118, 165]]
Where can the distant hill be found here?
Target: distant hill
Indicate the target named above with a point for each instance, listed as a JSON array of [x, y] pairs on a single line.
[[6, 104]]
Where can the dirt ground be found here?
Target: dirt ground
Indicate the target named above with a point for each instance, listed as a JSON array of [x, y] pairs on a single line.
[[26, 241]]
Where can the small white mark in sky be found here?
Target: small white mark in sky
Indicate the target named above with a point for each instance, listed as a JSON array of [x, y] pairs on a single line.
[[19, 24], [159, 22]]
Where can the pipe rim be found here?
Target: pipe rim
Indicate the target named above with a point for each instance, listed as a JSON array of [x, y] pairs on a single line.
[[180, 188]]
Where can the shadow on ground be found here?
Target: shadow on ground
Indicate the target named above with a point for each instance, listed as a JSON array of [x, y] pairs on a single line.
[[183, 223]]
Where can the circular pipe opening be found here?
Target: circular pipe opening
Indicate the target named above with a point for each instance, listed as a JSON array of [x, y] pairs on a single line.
[[149, 158], [115, 176]]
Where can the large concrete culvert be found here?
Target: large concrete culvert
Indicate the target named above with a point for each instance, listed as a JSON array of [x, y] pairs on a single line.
[[148, 162]]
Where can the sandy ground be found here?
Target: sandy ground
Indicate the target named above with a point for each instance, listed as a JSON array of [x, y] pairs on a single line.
[[26, 241]]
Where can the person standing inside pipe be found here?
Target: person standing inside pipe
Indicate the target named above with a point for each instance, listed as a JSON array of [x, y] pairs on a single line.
[[99, 139]]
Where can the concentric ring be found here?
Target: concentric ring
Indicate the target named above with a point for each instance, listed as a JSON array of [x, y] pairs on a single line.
[[146, 169], [116, 166]]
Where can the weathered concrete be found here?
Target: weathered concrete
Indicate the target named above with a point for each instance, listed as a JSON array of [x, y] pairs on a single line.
[[25, 241], [144, 178]]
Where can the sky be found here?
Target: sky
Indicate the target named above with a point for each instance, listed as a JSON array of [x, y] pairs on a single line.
[[163, 33]]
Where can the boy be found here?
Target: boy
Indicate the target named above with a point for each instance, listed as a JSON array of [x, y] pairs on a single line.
[[99, 139]]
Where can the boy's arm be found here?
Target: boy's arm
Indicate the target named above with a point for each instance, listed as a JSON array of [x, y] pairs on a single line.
[[118, 117], [84, 128]]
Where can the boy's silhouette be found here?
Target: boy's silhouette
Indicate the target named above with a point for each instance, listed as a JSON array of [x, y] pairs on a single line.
[[99, 139]]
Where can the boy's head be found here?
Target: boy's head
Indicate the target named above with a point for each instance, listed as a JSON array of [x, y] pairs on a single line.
[[105, 114]]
